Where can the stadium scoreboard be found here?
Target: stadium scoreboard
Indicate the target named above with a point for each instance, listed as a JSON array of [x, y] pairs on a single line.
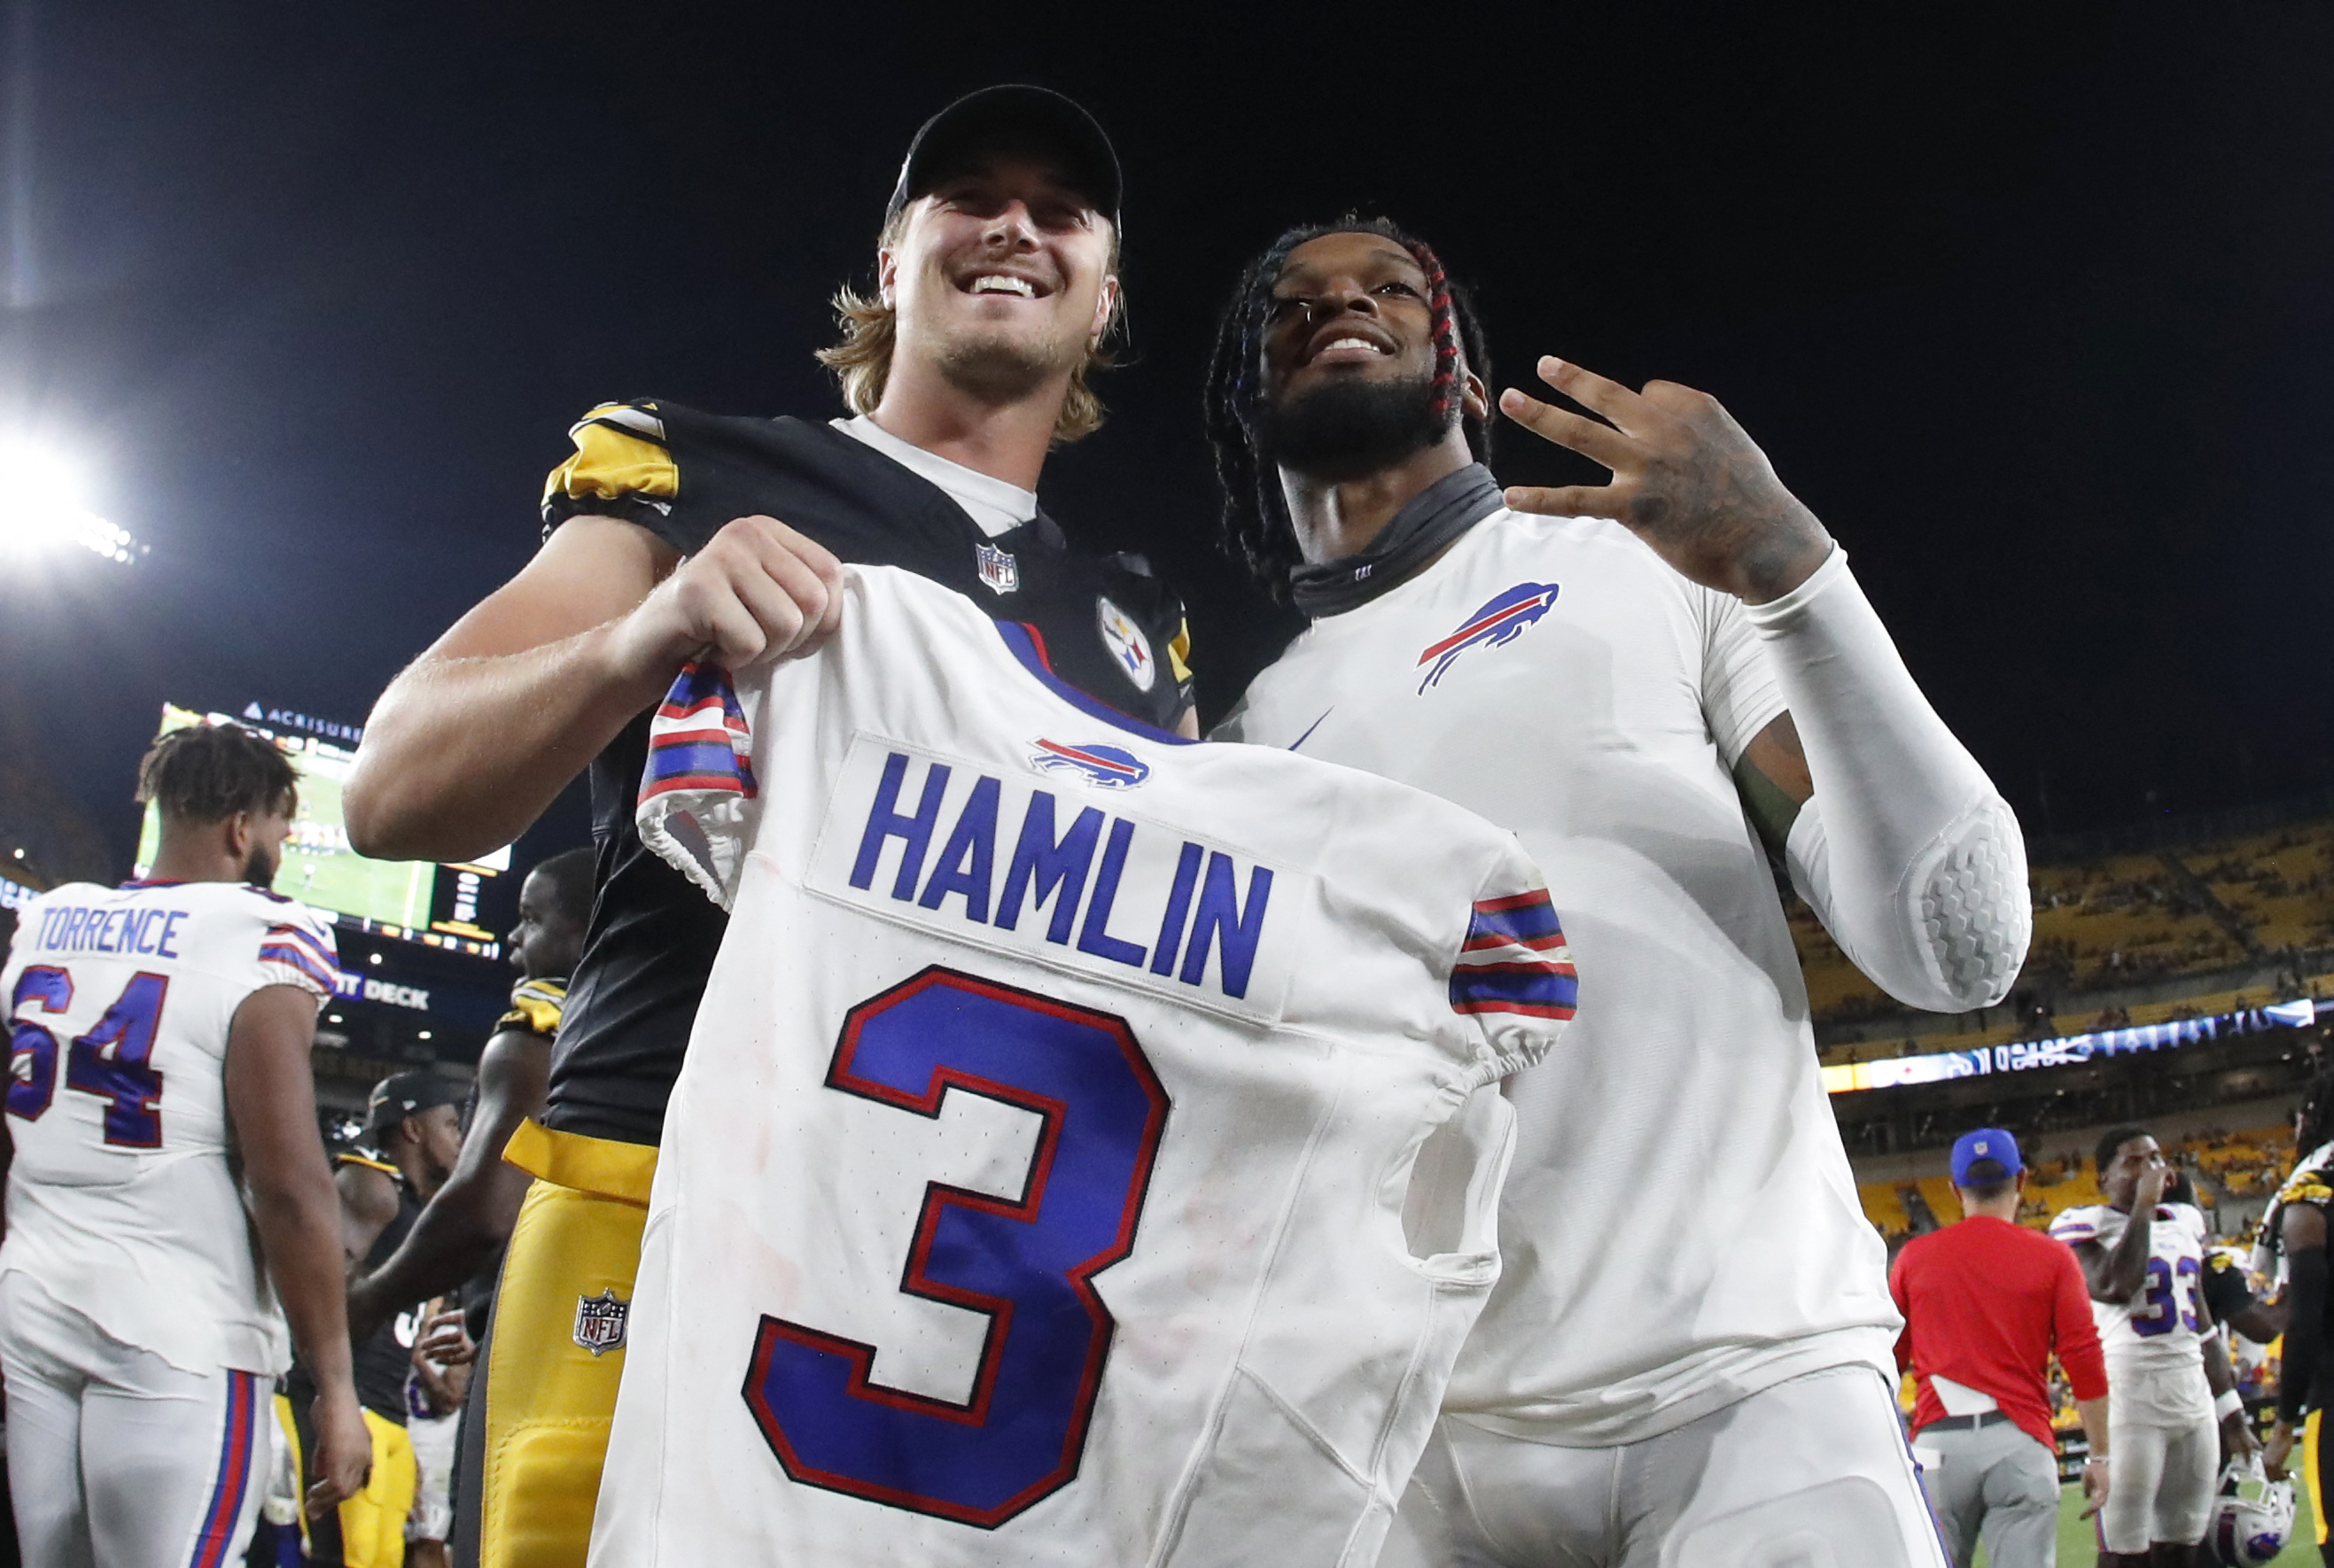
[[413, 900]]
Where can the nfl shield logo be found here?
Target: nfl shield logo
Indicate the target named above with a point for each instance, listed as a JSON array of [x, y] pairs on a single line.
[[600, 1322], [998, 569]]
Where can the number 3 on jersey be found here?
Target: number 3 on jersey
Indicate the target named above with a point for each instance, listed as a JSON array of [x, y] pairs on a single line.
[[110, 1062], [1027, 1263]]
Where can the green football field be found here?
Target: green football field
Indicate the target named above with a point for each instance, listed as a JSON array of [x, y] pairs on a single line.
[[2079, 1548], [319, 867]]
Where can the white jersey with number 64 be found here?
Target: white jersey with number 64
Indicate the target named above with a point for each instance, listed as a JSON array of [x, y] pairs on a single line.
[[121, 1202]]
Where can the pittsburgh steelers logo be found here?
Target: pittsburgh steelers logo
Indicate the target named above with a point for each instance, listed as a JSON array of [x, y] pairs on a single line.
[[1126, 644]]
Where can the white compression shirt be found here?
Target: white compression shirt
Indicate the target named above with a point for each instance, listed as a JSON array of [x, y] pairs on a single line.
[[1680, 1228]]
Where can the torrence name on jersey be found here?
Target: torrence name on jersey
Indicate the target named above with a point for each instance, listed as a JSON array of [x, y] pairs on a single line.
[[75, 928]]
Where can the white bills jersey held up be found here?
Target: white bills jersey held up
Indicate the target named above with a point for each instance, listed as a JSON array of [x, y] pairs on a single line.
[[2154, 1342], [1087, 1149], [120, 1200], [1680, 1228]]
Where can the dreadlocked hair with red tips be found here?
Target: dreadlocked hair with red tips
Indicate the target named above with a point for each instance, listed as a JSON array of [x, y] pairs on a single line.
[[1255, 529]]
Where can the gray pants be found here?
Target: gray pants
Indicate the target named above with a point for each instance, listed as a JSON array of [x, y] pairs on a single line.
[[1997, 1477]]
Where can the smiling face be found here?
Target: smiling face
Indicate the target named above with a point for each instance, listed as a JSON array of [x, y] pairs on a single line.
[[1001, 278], [1346, 308], [1349, 361]]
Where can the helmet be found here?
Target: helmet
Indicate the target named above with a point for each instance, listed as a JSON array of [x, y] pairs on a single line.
[[2252, 1516]]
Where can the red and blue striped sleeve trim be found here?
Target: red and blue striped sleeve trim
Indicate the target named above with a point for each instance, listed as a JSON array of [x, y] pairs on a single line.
[[682, 706], [222, 1518], [277, 953], [299, 946], [1533, 990], [317, 947], [696, 753], [1515, 960], [698, 740], [1524, 920]]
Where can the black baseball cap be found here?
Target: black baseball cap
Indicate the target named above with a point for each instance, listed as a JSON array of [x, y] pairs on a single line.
[[1018, 112], [394, 1099]]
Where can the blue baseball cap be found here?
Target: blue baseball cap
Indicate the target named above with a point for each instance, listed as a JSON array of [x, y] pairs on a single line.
[[1986, 1143]]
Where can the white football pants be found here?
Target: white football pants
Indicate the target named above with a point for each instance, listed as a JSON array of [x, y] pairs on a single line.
[[1812, 1473], [117, 1458], [2161, 1482]]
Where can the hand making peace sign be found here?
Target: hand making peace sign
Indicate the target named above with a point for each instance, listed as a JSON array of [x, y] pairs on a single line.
[[1686, 479]]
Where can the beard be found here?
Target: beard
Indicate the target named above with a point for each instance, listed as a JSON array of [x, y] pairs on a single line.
[[999, 367], [1349, 428], [259, 868]]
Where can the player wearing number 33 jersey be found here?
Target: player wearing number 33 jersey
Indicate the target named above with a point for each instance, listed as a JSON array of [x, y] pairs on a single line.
[[1089, 1144], [2154, 1334], [2165, 1451]]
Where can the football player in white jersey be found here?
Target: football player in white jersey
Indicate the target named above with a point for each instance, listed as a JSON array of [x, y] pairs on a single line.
[[158, 1061], [2168, 1377], [1040, 1244], [1658, 686]]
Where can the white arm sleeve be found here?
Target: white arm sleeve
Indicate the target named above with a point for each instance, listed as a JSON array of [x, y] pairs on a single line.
[[1913, 861]]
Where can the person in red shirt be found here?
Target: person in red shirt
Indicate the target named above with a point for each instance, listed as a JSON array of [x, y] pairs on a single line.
[[1986, 1303]]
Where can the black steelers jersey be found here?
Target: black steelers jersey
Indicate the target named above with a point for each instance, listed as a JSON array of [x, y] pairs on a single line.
[[380, 1361], [1106, 625]]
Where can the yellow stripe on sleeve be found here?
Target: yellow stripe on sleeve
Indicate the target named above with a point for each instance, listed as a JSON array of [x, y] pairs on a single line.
[[615, 456], [1179, 653], [536, 1006]]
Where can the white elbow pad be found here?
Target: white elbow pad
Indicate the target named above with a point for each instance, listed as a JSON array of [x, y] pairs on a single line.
[[1976, 916], [1953, 934]]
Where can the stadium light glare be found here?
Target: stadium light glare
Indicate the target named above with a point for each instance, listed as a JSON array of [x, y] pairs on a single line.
[[43, 504]]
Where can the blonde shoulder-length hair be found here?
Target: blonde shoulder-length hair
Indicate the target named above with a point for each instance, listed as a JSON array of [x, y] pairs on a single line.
[[862, 361]]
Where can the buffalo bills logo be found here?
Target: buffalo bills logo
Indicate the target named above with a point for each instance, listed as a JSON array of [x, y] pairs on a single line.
[[1106, 766], [1503, 619]]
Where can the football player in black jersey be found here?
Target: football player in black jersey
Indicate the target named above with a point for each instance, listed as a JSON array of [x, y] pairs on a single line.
[[671, 534], [2294, 1242], [459, 1234], [457, 1240], [413, 1126]]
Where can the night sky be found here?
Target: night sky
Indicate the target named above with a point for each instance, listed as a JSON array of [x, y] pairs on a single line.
[[2034, 305]]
